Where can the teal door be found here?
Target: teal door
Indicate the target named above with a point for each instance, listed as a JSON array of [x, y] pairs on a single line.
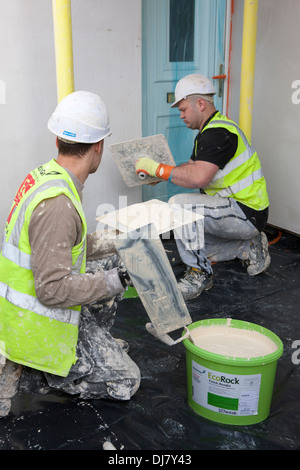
[[179, 37]]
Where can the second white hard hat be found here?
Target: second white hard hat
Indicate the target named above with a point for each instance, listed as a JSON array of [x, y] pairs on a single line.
[[194, 84], [80, 117]]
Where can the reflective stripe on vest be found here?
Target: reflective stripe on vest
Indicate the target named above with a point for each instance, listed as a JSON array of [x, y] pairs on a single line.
[[226, 184], [235, 163], [28, 302], [242, 184], [14, 237], [12, 253], [32, 334]]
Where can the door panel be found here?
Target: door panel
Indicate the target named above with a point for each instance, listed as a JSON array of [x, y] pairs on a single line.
[[180, 37]]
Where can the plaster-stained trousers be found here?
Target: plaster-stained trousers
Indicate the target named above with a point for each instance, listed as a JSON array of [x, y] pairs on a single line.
[[103, 368], [222, 234]]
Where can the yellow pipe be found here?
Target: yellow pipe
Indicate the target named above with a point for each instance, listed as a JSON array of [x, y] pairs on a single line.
[[248, 65], [63, 47]]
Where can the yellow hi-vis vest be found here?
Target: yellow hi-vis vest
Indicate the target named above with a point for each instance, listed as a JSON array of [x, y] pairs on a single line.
[[242, 177], [31, 333]]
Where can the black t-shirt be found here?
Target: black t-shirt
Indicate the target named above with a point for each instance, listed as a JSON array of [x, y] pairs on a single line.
[[215, 145], [218, 145]]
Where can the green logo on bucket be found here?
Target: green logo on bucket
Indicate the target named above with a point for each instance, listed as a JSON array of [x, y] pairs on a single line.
[[223, 379], [223, 393]]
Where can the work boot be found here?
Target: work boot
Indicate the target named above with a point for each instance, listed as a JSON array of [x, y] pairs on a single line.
[[194, 282], [123, 344], [259, 258]]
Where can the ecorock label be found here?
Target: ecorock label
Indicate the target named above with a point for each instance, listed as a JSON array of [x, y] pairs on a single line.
[[225, 393]]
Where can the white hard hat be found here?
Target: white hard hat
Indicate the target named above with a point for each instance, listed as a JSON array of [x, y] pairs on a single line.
[[80, 117], [194, 84]]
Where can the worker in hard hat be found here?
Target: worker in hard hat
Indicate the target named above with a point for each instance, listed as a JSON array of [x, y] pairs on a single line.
[[56, 313], [232, 197]]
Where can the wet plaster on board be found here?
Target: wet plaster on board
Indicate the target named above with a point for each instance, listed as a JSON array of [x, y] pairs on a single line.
[[125, 155], [164, 216], [153, 278]]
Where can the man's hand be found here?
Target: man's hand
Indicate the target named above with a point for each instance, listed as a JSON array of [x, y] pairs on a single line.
[[146, 165], [152, 168]]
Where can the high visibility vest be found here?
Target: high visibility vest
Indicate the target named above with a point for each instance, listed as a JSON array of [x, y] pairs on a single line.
[[31, 333], [242, 177]]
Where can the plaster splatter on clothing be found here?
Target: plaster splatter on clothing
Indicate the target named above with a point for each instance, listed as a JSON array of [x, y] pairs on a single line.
[[103, 369]]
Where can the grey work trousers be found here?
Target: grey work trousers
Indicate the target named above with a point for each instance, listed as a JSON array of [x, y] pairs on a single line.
[[103, 368], [222, 234]]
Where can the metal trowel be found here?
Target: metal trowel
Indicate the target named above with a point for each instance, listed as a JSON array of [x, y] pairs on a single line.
[[150, 271], [125, 155]]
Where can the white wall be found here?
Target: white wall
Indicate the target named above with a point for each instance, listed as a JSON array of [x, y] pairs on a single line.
[[276, 106], [276, 117], [107, 61]]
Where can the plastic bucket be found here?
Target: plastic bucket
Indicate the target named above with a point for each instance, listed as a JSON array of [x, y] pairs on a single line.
[[231, 390], [130, 293]]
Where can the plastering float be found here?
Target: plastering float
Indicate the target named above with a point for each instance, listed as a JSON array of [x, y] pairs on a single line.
[[150, 271], [125, 155]]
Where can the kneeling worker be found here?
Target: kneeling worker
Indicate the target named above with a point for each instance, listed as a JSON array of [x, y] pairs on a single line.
[[55, 310], [232, 194]]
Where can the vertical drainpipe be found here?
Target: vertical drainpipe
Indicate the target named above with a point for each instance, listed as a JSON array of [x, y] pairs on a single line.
[[248, 66], [63, 47]]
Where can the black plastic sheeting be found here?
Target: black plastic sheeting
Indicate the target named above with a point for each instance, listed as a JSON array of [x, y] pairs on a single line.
[[158, 418]]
